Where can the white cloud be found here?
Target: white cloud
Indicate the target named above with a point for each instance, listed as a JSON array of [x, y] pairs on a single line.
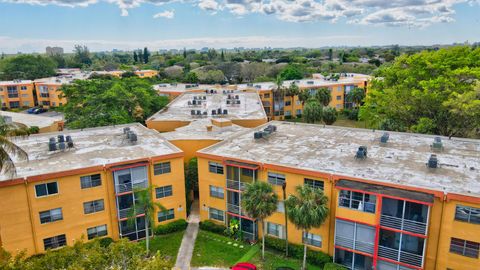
[[419, 13], [167, 14]]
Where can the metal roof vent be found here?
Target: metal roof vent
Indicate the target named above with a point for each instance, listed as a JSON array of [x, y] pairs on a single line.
[[361, 152], [437, 144], [133, 137], [257, 135], [432, 161], [125, 130], [384, 138], [61, 138], [52, 145], [61, 145]]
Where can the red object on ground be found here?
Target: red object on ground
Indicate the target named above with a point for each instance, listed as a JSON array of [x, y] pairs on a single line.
[[244, 266]]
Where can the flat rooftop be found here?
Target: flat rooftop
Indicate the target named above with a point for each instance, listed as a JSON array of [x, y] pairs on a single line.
[[32, 119], [92, 147], [63, 79], [181, 87], [197, 130], [250, 107], [305, 83], [15, 82], [402, 160]]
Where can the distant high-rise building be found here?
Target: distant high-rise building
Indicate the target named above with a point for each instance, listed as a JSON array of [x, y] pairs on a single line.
[[54, 50]]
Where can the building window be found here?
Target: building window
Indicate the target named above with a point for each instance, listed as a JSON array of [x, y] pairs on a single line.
[[464, 247], [161, 168], [299, 112], [216, 214], [467, 214], [96, 231], [90, 181], [55, 242], [14, 104], [355, 236], [288, 113], [312, 239], [358, 261], [23, 87], [24, 95], [166, 215], [12, 91], [266, 96], [357, 200], [216, 192], [93, 206], [26, 103], [215, 167], [46, 189], [163, 192], [51, 215], [314, 183], [46, 103], [288, 103], [275, 230], [276, 179], [280, 207]]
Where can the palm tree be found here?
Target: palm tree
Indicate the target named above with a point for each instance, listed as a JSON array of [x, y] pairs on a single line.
[[8, 149], [292, 90], [356, 96], [144, 204], [260, 201], [323, 96], [307, 209], [303, 96]]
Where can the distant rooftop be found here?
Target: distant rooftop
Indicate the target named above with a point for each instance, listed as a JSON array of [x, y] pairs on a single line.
[[63, 79], [31, 119], [15, 82], [181, 87], [180, 109], [197, 130], [402, 160], [92, 147]]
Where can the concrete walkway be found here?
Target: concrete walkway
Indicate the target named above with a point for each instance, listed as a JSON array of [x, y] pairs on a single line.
[[188, 242]]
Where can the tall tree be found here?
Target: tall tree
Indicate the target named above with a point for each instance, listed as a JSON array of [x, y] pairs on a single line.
[[135, 57], [146, 55], [303, 96], [184, 53], [313, 110], [82, 55], [323, 96], [330, 54], [292, 90], [307, 209], [260, 201], [27, 67], [222, 56], [9, 150], [356, 96], [144, 204]]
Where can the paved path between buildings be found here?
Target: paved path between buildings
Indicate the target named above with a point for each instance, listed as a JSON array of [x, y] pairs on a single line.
[[188, 242]]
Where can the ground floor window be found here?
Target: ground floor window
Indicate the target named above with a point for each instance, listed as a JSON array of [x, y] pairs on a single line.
[[274, 229], [166, 215], [55, 241], [96, 231], [312, 239], [216, 214], [353, 260]]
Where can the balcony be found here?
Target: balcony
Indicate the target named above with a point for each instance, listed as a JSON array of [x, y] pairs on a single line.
[[356, 245], [128, 187], [124, 213], [235, 185], [235, 209], [403, 224], [400, 256]]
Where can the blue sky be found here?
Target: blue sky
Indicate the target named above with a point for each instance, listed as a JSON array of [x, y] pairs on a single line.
[[31, 25]]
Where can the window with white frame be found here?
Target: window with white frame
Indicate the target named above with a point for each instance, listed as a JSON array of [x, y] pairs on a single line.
[[464, 247], [281, 207], [216, 192], [51, 215], [90, 181], [314, 183], [312, 239], [97, 231], [276, 230], [162, 168], [162, 192], [276, 178], [357, 200], [215, 167], [55, 241], [46, 189], [216, 214], [467, 214], [93, 206], [166, 215]]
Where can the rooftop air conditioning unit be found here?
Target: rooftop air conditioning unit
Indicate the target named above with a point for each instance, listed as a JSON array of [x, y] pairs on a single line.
[[133, 137], [437, 144], [384, 138], [126, 129], [432, 162], [361, 152], [257, 135]]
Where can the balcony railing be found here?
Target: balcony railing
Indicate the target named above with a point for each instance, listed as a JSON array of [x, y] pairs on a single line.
[[236, 185], [405, 257], [127, 187], [357, 245], [403, 224], [235, 209], [124, 213]]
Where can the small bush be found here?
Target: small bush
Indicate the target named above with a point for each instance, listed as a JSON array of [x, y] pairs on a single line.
[[210, 226], [105, 242], [288, 117], [33, 130], [174, 226], [333, 266], [296, 251]]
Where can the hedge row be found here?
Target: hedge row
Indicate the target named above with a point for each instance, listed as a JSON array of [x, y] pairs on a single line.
[[314, 257], [210, 226], [174, 226]]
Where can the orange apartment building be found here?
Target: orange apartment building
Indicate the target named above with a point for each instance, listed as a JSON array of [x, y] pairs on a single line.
[[79, 184], [195, 120], [17, 94], [49, 92], [397, 200], [147, 73]]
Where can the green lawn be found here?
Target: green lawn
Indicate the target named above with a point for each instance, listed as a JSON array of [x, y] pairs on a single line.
[[167, 245], [216, 250], [275, 259]]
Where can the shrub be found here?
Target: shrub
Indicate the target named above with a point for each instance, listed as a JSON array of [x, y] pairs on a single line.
[[174, 226], [210, 226], [296, 251], [333, 266], [105, 241], [33, 130], [288, 117]]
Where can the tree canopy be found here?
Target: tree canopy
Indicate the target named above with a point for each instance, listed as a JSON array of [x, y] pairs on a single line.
[[431, 92], [313, 110], [27, 67], [97, 102]]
